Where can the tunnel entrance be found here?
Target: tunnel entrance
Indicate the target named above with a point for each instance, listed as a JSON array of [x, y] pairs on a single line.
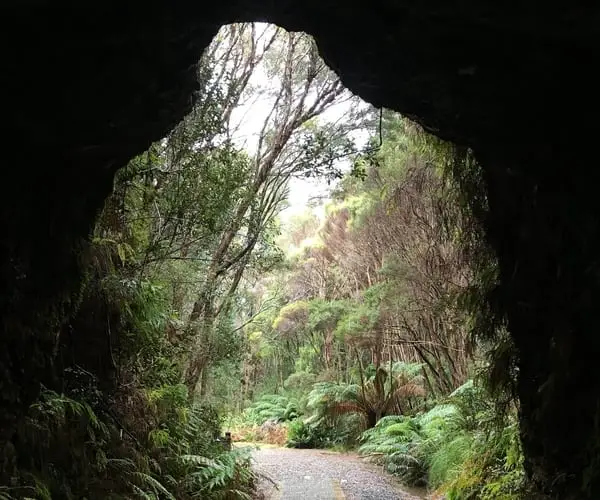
[[504, 84]]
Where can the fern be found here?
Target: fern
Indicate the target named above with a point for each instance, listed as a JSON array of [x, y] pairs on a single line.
[[446, 463], [275, 407], [394, 442], [451, 446], [199, 461], [146, 480], [229, 474], [159, 438], [381, 394], [5, 493]]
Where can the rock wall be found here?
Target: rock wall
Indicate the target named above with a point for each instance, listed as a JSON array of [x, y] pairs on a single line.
[[86, 86]]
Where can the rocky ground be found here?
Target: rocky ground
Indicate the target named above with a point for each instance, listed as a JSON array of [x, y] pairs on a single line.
[[290, 474]]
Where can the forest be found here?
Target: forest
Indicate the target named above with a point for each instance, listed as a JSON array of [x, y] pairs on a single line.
[[212, 303]]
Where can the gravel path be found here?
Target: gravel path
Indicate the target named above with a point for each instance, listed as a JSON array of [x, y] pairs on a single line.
[[323, 475]]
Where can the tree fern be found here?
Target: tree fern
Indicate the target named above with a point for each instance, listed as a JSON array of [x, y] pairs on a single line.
[[379, 395]]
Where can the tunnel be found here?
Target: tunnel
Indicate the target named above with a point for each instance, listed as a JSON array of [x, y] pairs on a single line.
[[88, 85]]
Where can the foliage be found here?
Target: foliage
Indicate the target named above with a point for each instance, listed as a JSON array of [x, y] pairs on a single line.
[[68, 449], [375, 398], [382, 277], [277, 408], [453, 447], [306, 433], [373, 325], [164, 306], [303, 435]]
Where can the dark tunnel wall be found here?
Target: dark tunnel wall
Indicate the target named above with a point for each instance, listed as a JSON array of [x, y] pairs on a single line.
[[87, 86]]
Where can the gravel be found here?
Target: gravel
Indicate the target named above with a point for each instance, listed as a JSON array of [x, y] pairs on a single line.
[[318, 474]]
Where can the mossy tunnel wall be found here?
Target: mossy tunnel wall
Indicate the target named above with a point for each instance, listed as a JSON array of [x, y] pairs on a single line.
[[86, 86]]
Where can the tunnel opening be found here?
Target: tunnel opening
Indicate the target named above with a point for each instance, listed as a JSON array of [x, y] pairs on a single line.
[[505, 84], [182, 262]]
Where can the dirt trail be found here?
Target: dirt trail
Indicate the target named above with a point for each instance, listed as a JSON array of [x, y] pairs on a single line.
[[323, 475]]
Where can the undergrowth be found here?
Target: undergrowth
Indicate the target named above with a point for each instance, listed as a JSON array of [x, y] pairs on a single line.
[[69, 449], [457, 447]]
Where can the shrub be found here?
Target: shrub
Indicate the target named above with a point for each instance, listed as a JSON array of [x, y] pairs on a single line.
[[457, 447], [69, 449], [304, 435], [494, 469], [319, 433], [273, 407], [395, 443]]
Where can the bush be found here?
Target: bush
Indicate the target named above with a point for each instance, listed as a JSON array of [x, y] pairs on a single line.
[[300, 381], [456, 447], [395, 442], [319, 433], [493, 470], [69, 449], [273, 407], [303, 435]]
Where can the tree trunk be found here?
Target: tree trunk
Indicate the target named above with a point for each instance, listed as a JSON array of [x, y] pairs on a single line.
[[372, 419]]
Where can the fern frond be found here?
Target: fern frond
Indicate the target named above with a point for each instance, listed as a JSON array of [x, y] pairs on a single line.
[[199, 460], [157, 486], [142, 494]]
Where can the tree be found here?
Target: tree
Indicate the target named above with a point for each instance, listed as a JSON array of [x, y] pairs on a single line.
[[385, 392], [304, 90]]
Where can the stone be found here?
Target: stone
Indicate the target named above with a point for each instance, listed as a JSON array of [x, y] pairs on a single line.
[[86, 86]]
